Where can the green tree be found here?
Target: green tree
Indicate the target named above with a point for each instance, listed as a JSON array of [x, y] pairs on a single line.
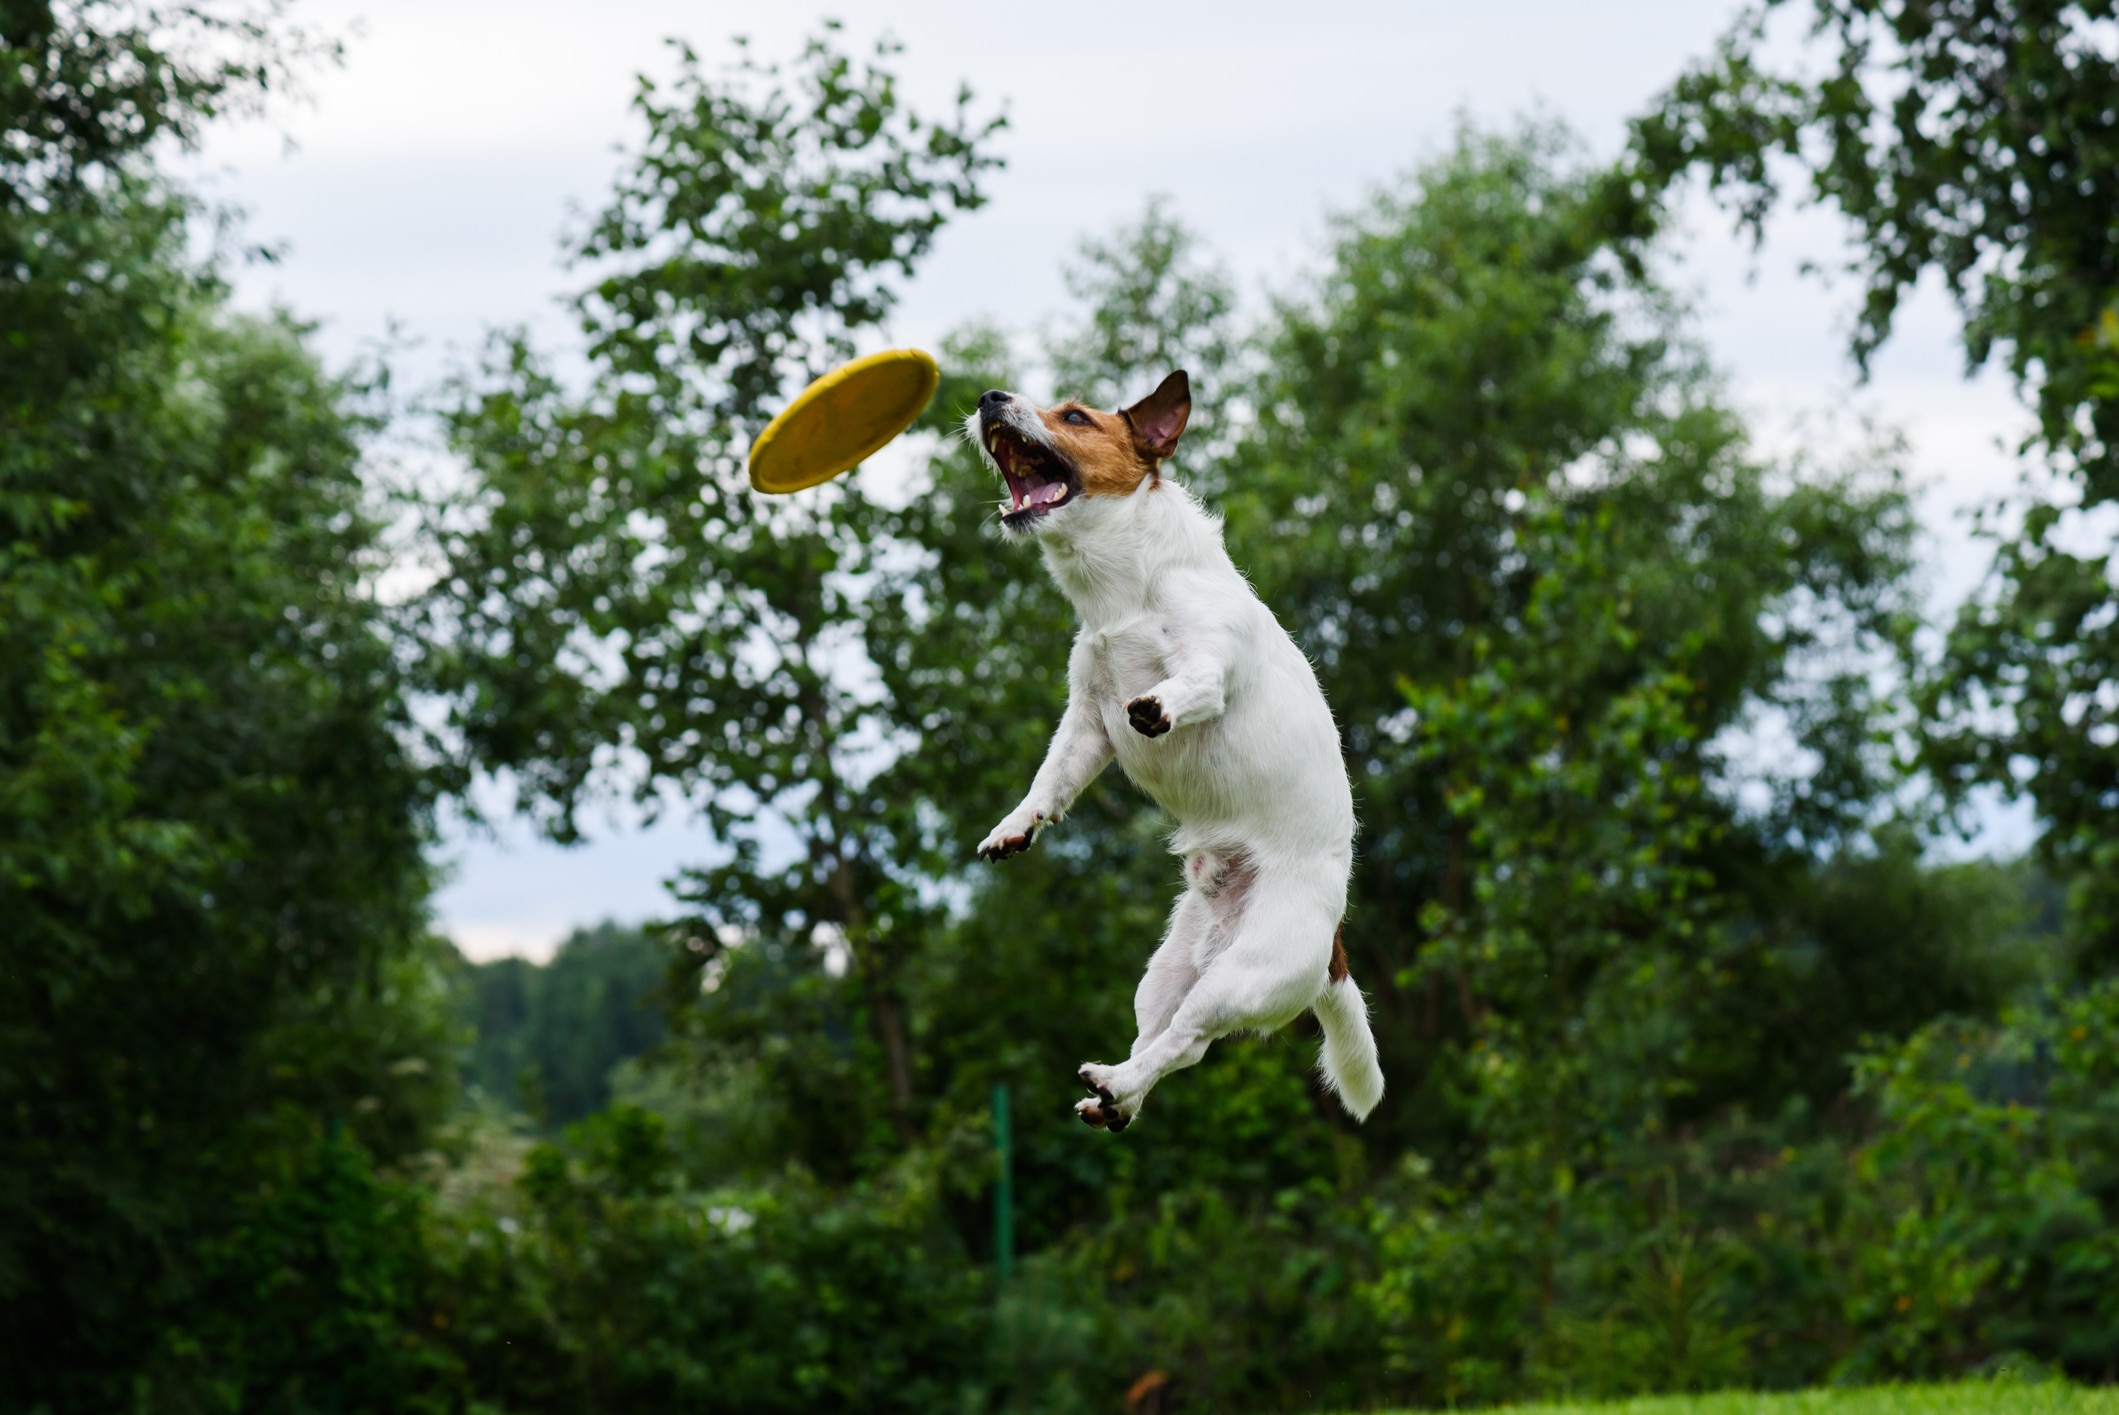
[[611, 584], [549, 1035], [89, 90], [1476, 349], [1151, 300], [219, 998], [625, 1287], [1549, 587], [1974, 139], [1980, 1219]]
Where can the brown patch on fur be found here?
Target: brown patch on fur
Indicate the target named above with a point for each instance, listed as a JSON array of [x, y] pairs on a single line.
[[1215, 874], [1101, 447], [1336, 970], [1115, 452]]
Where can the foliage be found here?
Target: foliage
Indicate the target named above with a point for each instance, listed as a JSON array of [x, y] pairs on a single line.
[[1974, 139], [1992, 1181], [608, 584], [1580, 786], [548, 1038], [88, 86], [1999, 1397], [1152, 301], [624, 1286], [210, 834], [2023, 701], [1701, 1073], [606, 564], [310, 1293], [1971, 138]]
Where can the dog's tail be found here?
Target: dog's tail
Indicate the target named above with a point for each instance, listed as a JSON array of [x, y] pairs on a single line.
[[1348, 1058]]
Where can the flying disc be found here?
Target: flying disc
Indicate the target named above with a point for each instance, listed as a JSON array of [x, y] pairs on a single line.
[[840, 420]]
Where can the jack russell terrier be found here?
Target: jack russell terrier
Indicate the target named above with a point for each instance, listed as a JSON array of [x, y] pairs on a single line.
[[1182, 674]]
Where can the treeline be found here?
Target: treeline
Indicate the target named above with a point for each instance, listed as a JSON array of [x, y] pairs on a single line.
[[1703, 1071], [544, 1039]]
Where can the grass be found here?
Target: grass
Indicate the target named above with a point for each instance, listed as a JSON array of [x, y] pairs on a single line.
[[1972, 1399]]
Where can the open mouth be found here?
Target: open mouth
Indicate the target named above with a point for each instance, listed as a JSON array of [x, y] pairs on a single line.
[[1039, 479]]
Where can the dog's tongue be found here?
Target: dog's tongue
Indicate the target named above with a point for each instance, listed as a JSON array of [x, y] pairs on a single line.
[[1044, 492]]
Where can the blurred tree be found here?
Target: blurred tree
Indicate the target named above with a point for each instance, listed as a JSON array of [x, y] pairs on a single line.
[[1977, 140], [623, 1289], [1474, 464], [1477, 352], [1980, 1227], [88, 89], [610, 585], [549, 1035], [1586, 943], [1151, 300], [210, 836], [1970, 138]]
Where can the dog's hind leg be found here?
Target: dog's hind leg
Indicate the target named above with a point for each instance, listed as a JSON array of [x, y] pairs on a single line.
[[1274, 967], [1172, 970], [1171, 973]]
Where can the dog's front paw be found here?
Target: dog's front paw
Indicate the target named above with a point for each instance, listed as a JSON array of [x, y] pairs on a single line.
[[1012, 836], [1147, 716]]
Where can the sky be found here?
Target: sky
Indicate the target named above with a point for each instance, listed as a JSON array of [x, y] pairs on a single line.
[[419, 195]]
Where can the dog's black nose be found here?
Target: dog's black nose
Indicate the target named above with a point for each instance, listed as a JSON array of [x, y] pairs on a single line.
[[992, 398]]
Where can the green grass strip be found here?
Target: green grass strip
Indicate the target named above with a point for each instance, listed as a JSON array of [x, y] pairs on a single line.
[[1976, 1398]]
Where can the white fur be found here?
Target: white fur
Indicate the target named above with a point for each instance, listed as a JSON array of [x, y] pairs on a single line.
[[1250, 770]]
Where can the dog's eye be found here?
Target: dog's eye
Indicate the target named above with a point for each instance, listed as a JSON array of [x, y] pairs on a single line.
[[1075, 416]]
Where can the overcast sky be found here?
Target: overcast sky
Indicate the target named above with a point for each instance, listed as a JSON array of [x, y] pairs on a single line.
[[428, 182]]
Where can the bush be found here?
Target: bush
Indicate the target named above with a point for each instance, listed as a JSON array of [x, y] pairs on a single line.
[[607, 1282]]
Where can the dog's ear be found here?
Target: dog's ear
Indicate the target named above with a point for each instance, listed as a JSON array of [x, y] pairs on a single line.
[[1158, 420]]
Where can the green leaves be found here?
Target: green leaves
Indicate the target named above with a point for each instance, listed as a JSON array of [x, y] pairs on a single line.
[[2023, 700], [1977, 140], [607, 580], [1972, 138], [762, 221], [1987, 1192], [210, 834], [87, 90], [614, 606], [214, 953], [1154, 301], [624, 1286]]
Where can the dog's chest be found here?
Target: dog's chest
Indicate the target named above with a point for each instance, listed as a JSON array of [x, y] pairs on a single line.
[[1123, 660]]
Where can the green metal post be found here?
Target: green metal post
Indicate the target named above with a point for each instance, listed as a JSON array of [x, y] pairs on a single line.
[[1004, 1190]]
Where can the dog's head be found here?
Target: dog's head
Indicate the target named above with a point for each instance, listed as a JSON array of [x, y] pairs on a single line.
[[1052, 458]]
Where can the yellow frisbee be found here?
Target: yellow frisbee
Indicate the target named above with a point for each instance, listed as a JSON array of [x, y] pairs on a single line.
[[842, 419]]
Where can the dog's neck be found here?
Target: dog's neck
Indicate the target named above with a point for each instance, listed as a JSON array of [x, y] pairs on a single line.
[[1109, 552]]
